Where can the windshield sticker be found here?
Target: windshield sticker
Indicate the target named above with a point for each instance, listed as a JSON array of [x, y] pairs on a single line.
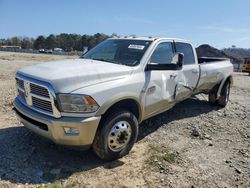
[[134, 46]]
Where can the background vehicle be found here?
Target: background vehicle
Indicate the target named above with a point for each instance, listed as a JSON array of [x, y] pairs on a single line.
[[100, 99], [48, 51], [246, 65], [41, 50], [58, 50]]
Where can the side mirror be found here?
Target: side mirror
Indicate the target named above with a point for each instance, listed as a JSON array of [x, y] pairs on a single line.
[[178, 59]]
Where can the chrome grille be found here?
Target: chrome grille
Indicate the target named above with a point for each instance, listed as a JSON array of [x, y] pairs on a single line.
[[39, 90], [41, 104], [20, 83], [21, 94], [37, 95]]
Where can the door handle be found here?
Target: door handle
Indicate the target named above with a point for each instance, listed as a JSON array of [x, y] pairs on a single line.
[[194, 71], [173, 76]]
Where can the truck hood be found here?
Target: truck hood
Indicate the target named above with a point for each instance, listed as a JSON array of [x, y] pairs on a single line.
[[69, 75]]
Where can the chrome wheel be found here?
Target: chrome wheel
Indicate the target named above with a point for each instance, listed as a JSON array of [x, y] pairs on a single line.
[[119, 136]]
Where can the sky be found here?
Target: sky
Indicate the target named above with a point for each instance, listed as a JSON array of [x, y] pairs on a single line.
[[220, 23]]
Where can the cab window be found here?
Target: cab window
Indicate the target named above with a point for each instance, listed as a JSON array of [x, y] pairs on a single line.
[[187, 50], [163, 53]]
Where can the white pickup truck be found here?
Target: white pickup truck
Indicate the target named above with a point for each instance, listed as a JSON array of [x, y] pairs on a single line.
[[99, 99]]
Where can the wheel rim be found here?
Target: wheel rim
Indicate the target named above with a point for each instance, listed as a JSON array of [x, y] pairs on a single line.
[[119, 136]]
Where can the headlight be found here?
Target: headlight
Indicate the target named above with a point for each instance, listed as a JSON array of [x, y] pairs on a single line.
[[77, 103]]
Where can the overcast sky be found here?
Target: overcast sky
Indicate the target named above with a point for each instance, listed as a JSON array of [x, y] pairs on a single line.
[[221, 23]]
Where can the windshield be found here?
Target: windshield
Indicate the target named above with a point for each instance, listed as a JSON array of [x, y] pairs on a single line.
[[119, 51]]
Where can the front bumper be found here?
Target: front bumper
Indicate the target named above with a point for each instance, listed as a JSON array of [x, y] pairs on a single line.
[[53, 128]]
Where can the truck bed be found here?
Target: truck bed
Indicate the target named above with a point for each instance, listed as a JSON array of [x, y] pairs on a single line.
[[212, 71]]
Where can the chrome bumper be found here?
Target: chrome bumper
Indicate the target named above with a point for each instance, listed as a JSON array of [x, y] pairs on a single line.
[[53, 128]]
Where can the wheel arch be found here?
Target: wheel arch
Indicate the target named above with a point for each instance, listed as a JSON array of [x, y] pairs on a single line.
[[129, 103]]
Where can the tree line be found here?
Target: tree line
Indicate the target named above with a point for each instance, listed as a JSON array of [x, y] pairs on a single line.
[[68, 42]]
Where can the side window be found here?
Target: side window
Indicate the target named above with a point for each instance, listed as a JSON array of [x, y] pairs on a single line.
[[187, 50], [163, 53]]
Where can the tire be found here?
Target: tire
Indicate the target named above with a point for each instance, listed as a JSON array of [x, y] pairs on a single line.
[[212, 96], [224, 97], [116, 135]]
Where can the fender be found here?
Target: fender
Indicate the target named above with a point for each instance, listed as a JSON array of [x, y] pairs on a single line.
[[118, 98]]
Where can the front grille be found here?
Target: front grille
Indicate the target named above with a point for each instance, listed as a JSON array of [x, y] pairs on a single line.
[[39, 90], [42, 104], [21, 94], [20, 83], [37, 95]]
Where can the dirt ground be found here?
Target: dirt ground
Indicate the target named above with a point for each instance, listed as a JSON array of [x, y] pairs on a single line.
[[194, 144]]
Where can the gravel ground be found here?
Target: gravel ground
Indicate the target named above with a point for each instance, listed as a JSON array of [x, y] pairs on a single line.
[[192, 145]]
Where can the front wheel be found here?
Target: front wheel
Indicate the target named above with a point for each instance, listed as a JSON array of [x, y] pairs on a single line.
[[116, 135]]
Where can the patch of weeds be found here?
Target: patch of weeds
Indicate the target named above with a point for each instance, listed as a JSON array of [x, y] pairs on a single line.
[[157, 154], [154, 148], [154, 154], [169, 157]]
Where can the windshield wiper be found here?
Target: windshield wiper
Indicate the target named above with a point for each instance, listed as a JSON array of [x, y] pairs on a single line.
[[93, 58], [99, 59]]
